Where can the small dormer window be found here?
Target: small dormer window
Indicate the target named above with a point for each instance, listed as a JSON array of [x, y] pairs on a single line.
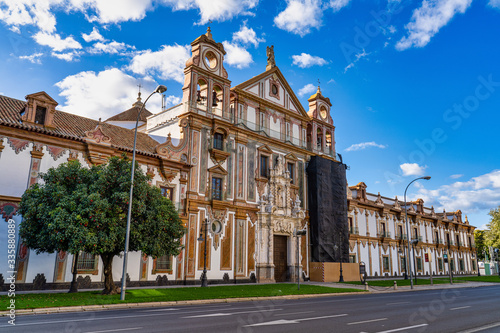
[[40, 115]]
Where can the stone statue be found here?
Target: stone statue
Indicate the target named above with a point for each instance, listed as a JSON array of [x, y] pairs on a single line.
[[270, 57]]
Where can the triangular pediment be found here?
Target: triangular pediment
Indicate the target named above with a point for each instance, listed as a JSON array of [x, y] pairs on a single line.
[[218, 169], [265, 149], [291, 157], [42, 96], [282, 95]]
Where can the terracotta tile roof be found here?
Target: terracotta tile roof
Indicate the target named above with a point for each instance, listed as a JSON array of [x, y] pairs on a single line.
[[131, 115], [73, 127]]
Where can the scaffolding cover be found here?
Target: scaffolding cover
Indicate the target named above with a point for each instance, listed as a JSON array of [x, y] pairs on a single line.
[[327, 196]]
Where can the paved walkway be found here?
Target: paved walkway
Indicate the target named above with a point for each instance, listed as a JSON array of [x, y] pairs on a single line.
[[231, 300]]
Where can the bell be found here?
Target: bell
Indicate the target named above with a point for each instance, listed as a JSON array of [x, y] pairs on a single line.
[[214, 99]]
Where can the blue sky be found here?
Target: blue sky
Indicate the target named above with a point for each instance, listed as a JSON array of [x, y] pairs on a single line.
[[415, 85]]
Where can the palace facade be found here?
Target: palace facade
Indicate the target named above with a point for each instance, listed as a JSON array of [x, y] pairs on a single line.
[[240, 157]]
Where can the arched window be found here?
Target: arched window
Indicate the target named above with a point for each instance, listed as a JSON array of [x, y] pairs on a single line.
[[319, 139], [201, 94]]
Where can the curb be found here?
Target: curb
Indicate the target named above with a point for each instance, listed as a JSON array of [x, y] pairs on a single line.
[[171, 303]]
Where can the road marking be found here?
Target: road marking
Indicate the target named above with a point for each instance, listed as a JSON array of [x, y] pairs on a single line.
[[398, 303], [482, 328], [403, 328], [294, 321], [459, 308], [117, 330], [156, 310], [84, 319], [366, 321], [220, 314]]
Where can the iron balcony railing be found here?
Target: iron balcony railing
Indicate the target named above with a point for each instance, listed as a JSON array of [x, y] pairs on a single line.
[[354, 231]]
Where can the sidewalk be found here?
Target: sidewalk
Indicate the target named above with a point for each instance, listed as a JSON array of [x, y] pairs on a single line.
[[233, 300]]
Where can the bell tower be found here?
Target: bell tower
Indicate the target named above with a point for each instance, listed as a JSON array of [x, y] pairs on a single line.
[[206, 87]]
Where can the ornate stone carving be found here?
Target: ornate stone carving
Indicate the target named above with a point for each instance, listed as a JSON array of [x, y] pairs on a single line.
[[97, 135]]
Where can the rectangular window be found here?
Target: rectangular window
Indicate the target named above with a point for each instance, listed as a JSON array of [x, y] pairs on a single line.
[[291, 171], [216, 188], [403, 264], [473, 265], [419, 264], [352, 258], [452, 264], [218, 141], [440, 264], [167, 192], [40, 115], [241, 115], [86, 262], [386, 262], [264, 166], [461, 263], [164, 263]]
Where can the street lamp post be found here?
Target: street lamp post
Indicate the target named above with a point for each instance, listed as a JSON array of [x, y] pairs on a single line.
[[408, 229], [204, 281], [341, 278], [298, 233], [160, 89]]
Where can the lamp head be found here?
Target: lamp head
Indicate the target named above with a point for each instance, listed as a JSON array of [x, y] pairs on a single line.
[[160, 89], [426, 177]]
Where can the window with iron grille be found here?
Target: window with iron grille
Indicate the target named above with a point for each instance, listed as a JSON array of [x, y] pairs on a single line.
[[86, 262], [164, 263], [440, 264], [386, 262], [419, 264], [291, 171], [264, 166], [216, 188], [403, 264], [461, 263], [218, 141]]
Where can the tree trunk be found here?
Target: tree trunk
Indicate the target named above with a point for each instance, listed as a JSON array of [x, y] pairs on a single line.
[[73, 288], [109, 285]]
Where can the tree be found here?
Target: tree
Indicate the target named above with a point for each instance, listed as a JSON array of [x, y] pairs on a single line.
[[479, 236], [79, 209], [493, 234]]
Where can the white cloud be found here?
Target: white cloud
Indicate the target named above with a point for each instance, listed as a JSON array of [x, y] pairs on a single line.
[[364, 145], [168, 63], [337, 5], [93, 36], [237, 56], [412, 169], [247, 36], [428, 19], [494, 3], [16, 13], [300, 16], [68, 56], [111, 47], [34, 58], [358, 57], [479, 193], [305, 60], [55, 41], [112, 11], [103, 94], [456, 176], [215, 10], [307, 89]]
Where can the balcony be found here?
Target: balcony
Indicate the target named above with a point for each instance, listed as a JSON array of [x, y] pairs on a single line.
[[385, 235], [401, 237], [354, 231]]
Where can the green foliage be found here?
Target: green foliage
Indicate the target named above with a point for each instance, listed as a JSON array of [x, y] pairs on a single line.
[[479, 238], [80, 209], [46, 300], [493, 234]]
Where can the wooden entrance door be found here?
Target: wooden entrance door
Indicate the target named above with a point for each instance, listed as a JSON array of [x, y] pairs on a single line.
[[280, 258]]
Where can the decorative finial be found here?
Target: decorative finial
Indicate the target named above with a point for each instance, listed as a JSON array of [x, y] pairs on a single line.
[[99, 121], [270, 58], [209, 31]]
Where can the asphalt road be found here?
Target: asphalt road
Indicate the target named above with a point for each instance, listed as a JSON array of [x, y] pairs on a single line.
[[465, 310]]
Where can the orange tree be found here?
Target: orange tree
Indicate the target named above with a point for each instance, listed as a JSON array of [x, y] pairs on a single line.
[[80, 209]]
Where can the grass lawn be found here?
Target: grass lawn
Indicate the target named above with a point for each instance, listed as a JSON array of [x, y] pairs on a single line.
[[426, 281], [30, 301]]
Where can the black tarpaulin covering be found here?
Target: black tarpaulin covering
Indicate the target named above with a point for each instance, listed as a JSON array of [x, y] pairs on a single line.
[[327, 197]]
